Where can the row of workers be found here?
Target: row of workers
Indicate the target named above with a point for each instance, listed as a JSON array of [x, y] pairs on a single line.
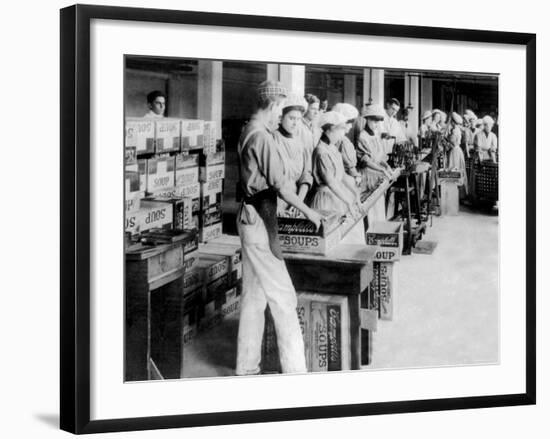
[[292, 157]]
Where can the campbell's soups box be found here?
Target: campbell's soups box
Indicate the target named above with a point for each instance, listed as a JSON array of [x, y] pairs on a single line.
[[210, 136], [192, 134], [191, 261], [181, 208], [135, 181], [150, 215], [167, 135], [233, 252], [130, 155], [192, 281], [316, 245], [140, 134], [211, 194], [230, 305], [208, 233], [386, 239], [192, 191], [160, 173], [187, 169], [132, 202], [383, 289]]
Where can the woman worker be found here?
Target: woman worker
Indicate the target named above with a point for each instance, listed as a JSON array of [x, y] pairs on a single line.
[[485, 141], [334, 192], [454, 157], [371, 155], [345, 146], [265, 277], [295, 155]]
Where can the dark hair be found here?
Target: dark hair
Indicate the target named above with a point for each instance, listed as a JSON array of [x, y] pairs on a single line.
[[393, 101], [293, 108], [311, 99], [153, 95]]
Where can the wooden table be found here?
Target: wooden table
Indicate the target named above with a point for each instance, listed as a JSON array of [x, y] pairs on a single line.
[[345, 270], [154, 312]]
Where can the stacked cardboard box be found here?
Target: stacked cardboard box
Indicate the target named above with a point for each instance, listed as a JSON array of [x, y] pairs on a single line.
[[211, 175], [386, 238], [324, 321]]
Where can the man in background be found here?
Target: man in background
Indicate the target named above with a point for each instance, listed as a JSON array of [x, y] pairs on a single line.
[[156, 102]]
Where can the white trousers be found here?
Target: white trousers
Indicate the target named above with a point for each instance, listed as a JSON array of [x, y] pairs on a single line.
[[265, 281]]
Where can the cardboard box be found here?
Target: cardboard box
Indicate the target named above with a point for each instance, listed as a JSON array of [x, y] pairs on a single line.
[[181, 210], [386, 238], [325, 325], [230, 306], [135, 177], [191, 191], [189, 327], [316, 245], [233, 252], [192, 134], [192, 282], [191, 261], [130, 156], [209, 233], [167, 135], [187, 169], [140, 133], [383, 289], [151, 216], [210, 136], [303, 226], [132, 202], [210, 217], [160, 173], [215, 290], [211, 194], [212, 172], [212, 267]]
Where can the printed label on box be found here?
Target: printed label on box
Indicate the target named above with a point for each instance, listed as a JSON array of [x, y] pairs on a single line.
[[160, 173], [212, 172], [210, 137], [211, 193], [167, 135], [191, 191], [309, 244], [140, 133], [187, 169], [210, 232], [192, 134]]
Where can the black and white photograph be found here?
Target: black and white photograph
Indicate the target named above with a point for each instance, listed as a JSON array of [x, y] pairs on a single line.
[[307, 218]]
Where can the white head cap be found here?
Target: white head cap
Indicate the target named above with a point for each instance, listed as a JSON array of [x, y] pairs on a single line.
[[347, 110], [427, 114], [374, 110], [457, 118], [488, 120], [332, 118], [295, 101]]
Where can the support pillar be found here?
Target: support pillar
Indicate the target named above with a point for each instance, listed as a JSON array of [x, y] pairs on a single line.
[[209, 93]]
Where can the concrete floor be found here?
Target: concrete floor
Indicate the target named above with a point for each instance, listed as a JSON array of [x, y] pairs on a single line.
[[446, 308]]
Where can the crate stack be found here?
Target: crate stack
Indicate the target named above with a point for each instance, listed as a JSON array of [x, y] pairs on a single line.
[[213, 285], [386, 239], [174, 174]]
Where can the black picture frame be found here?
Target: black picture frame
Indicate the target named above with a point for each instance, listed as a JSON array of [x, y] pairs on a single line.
[[75, 217]]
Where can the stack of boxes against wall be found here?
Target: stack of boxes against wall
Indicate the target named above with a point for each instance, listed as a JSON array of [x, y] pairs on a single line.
[[174, 175]]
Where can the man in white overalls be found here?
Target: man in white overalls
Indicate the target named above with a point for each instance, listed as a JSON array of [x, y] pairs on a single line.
[[265, 277]]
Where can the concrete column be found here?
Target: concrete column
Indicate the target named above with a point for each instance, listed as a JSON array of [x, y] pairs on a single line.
[[427, 95], [273, 72], [414, 115], [350, 89], [209, 93], [293, 77], [374, 89]]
